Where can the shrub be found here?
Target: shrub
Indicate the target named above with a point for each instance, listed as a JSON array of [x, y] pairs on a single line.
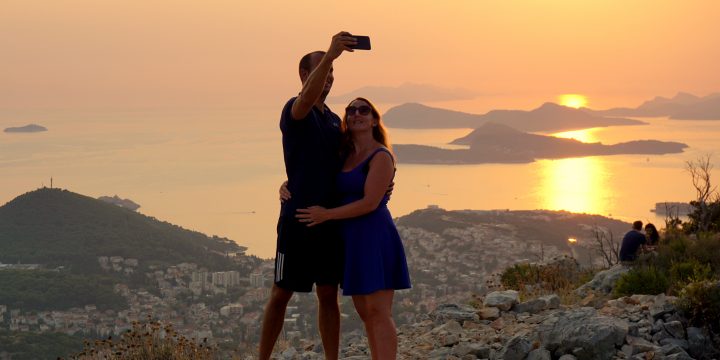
[[674, 248], [148, 341], [647, 280], [700, 301], [683, 272], [519, 275], [561, 277], [706, 249], [701, 250]]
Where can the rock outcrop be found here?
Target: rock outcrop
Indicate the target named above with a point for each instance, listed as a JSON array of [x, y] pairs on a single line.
[[603, 281], [634, 327]]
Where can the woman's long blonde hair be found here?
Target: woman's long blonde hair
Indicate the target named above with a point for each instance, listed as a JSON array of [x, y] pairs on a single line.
[[379, 132]]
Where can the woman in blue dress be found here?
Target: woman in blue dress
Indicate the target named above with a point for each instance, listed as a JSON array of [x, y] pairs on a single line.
[[375, 264]]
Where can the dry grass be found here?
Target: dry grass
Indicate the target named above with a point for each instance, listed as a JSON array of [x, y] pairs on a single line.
[[148, 341], [561, 277]]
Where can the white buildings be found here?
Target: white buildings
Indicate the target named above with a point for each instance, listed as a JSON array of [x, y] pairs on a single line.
[[226, 279], [257, 280], [232, 309]]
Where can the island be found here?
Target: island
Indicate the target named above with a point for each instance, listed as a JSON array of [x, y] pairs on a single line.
[[673, 208], [683, 106], [496, 143], [31, 128], [547, 118]]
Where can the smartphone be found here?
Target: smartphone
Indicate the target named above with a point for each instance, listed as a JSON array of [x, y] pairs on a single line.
[[363, 42]]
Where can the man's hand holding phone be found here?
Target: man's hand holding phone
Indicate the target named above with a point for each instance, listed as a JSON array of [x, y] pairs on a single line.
[[342, 41], [362, 42]]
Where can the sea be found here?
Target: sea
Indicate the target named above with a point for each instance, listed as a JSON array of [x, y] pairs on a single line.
[[218, 171]]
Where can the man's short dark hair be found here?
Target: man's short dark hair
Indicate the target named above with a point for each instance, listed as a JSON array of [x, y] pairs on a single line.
[[306, 61], [637, 225]]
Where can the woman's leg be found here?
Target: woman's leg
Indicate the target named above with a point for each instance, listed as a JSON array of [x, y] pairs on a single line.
[[376, 311], [360, 302]]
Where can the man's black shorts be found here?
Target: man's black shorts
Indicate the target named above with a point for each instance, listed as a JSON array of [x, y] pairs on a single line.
[[308, 255]]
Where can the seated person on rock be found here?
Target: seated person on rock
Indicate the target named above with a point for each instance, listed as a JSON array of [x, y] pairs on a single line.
[[653, 238], [631, 243]]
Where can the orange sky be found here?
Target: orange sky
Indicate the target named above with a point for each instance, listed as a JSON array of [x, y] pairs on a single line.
[[223, 53]]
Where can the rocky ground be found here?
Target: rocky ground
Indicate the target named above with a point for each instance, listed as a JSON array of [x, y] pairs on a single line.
[[635, 327]]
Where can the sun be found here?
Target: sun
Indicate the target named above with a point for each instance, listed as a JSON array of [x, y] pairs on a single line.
[[573, 100]]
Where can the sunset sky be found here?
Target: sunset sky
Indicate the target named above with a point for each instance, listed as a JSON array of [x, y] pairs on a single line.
[[222, 53]]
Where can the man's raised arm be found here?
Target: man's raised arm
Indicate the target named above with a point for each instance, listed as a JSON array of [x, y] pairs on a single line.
[[314, 84]]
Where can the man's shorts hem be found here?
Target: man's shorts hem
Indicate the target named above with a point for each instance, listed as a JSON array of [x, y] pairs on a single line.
[[303, 288]]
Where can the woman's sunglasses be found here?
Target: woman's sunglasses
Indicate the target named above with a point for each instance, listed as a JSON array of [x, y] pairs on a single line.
[[362, 110]]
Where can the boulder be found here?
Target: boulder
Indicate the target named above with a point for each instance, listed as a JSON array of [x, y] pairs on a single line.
[[517, 348], [450, 340], [539, 354], [670, 341], [439, 354], [478, 350], [459, 313], [450, 327], [639, 345], [662, 306], [699, 345], [603, 281], [489, 313], [584, 333], [661, 335], [567, 357], [670, 349], [503, 300], [679, 356], [531, 306], [552, 301], [675, 329]]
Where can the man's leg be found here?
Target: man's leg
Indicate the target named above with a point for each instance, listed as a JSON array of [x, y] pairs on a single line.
[[273, 320], [329, 319]]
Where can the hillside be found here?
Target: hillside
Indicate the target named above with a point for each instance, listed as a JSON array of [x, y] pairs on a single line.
[[54, 227], [550, 227]]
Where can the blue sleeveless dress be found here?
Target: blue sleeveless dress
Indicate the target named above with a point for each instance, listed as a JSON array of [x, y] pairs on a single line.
[[374, 254]]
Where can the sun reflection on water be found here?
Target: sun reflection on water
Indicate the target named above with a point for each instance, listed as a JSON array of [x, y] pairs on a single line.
[[585, 135], [576, 184]]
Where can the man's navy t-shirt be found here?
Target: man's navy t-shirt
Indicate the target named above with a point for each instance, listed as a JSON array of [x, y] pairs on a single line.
[[312, 158], [630, 244]]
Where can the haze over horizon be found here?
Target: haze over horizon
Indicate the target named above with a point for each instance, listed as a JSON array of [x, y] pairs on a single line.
[[184, 54], [218, 73]]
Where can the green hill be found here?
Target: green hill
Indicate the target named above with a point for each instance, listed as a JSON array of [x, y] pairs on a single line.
[[55, 227]]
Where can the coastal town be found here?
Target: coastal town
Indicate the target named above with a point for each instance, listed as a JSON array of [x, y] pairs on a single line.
[[225, 307]]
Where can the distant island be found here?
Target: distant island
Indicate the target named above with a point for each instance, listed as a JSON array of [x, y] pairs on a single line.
[[549, 117], [31, 128], [496, 143], [406, 92], [673, 208], [683, 106], [125, 203]]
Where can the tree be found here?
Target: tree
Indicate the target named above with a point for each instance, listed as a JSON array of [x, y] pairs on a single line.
[[606, 245], [672, 217], [707, 200]]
